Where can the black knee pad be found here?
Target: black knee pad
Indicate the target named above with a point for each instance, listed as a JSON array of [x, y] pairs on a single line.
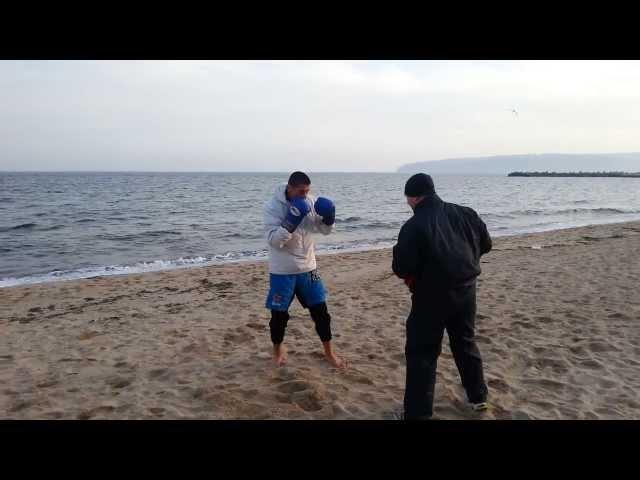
[[322, 319], [278, 325]]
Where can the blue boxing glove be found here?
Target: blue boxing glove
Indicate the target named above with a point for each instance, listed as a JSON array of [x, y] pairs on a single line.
[[326, 209], [298, 209]]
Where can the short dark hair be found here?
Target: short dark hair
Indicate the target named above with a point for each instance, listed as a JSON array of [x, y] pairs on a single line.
[[299, 178]]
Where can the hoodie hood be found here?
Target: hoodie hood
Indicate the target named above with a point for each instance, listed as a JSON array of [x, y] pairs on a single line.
[[280, 193]]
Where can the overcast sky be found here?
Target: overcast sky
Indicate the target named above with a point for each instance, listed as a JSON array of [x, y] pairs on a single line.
[[308, 115]]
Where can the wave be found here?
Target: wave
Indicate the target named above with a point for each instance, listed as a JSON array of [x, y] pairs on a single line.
[[31, 227], [497, 215], [243, 236], [373, 226], [48, 229], [23, 226], [254, 255], [183, 262], [139, 267], [348, 220], [601, 210], [137, 236]]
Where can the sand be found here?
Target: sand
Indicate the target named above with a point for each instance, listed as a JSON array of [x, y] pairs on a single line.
[[558, 326]]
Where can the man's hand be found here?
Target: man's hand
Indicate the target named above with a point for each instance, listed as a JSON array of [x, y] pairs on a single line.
[[411, 283], [298, 209], [326, 209]]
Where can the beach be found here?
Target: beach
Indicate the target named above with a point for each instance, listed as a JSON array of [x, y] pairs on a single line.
[[558, 327]]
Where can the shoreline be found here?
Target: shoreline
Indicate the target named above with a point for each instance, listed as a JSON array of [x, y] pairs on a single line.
[[216, 263]]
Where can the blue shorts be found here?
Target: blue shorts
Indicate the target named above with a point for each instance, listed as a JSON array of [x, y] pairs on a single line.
[[307, 287]]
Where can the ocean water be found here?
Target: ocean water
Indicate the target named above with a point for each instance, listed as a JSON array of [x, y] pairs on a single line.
[[57, 226]]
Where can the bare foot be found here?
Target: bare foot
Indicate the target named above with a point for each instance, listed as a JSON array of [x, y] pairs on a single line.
[[279, 355], [336, 361]]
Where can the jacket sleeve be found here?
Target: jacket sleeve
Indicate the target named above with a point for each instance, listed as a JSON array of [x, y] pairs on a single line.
[[277, 236], [407, 253], [485, 239], [314, 224]]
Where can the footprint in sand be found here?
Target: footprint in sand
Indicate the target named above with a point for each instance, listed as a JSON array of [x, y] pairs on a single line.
[[361, 379], [159, 374], [6, 359], [55, 415], [578, 350], [190, 348], [592, 364], [545, 383], [47, 383], [308, 400], [119, 382], [524, 325], [124, 365], [558, 366], [88, 414], [498, 385], [399, 357], [88, 335], [20, 405], [601, 347], [226, 376], [607, 384], [238, 336], [544, 319], [249, 394], [484, 340]]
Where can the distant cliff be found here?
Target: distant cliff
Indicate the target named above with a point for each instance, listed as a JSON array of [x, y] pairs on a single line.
[[503, 164], [575, 174]]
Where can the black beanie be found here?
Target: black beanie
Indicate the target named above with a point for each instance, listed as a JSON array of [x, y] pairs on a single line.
[[418, 185]]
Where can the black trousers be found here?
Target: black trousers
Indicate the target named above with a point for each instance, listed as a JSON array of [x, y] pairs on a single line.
[[455, 311], [319, 315]]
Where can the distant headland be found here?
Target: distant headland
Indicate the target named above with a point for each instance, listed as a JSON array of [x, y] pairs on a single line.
[[575, 174], [503, 164]]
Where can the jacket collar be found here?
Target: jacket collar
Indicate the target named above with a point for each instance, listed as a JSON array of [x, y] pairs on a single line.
[[429, 200]]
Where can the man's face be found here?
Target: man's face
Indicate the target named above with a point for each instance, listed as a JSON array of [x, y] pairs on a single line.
[[413, 201], [298, 191]]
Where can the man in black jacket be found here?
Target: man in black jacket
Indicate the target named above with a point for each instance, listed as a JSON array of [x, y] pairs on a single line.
[[438, 255]]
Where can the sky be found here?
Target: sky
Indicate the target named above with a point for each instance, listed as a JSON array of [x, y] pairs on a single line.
[[308, 115]]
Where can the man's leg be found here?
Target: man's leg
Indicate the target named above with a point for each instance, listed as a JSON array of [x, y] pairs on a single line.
[[312, 295], [278, 325], [281, 288], [424, 344], [322, 319], [461, 330]]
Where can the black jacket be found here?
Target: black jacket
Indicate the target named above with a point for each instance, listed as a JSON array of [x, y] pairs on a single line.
[[440, 246]]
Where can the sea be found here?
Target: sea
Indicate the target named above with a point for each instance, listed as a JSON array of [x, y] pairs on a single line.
[[71, 225]]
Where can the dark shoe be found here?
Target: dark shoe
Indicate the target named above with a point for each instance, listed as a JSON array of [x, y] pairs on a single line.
[[420, 418]]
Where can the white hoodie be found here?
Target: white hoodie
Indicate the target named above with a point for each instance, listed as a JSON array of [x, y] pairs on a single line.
[[291, 253]]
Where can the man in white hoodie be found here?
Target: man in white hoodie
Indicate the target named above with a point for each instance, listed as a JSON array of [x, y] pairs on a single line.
[[290, 217]]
